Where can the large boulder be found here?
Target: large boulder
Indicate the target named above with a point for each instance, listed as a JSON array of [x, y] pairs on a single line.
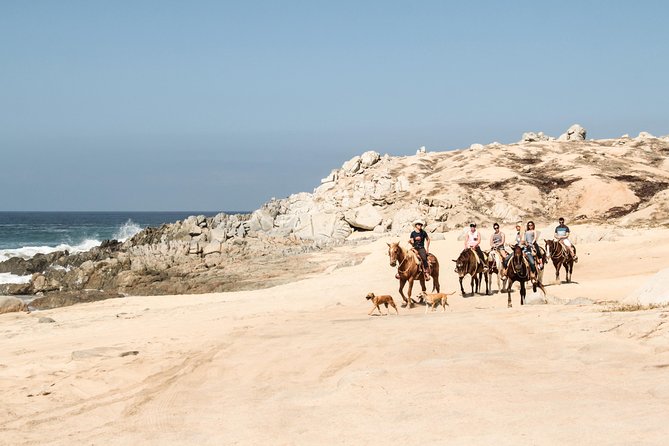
[[365, 217], [322, 227], [10, 304], [352, 166], [574, 133], [369, 158]]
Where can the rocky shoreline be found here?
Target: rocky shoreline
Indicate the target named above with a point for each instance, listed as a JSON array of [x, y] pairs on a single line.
[[624, 180]]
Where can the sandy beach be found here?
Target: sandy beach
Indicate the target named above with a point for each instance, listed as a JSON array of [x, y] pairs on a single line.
[[303, 363]]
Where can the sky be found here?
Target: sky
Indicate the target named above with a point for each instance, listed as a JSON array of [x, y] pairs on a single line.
[[222, 105]]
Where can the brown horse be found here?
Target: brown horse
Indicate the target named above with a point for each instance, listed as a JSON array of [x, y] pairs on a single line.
[[410, 267], [560, 255], [468, 263], [519, 271]]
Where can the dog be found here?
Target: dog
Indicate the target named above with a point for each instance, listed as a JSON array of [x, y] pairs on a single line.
[[432, 300], [381, 300]]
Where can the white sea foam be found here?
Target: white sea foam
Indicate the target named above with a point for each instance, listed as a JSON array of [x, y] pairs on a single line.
[[27, 252], [127, 230], [12, 278]]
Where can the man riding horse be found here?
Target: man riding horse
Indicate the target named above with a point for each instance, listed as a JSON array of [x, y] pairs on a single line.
[[562, 236], [421, 244]]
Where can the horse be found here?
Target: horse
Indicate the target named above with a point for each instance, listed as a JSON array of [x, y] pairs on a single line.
[[494, 264], [468, 263], [560, 255], [518, 270], [410, 267]]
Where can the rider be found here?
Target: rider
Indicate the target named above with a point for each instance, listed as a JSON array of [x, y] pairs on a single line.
[[518, 239], [531, 248], [497, 239], [421, 243], [473, 241], [562, 236]]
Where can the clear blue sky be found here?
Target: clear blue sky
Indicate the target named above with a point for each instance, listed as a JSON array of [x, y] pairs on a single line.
[[217, 105]]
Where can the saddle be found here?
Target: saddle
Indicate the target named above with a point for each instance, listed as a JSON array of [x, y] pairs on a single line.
[[531, 275], [479, 260], [419, 262]]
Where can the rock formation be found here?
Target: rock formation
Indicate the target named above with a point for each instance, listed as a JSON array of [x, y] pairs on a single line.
[[624, 180]]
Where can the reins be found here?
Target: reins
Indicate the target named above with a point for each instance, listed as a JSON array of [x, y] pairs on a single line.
[[405, 256]]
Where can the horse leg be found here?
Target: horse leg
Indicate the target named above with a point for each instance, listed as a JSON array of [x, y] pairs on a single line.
[[488, 279], [410, 300], [435, 282], [557, 271], [402, 282], [522, 292], [509, 282], [461, 287]]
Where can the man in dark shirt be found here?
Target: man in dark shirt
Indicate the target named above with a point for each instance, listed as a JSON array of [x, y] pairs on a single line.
[[421, 243]]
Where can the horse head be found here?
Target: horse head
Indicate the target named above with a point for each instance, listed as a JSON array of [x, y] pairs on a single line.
[[462, 263], [394, 252]]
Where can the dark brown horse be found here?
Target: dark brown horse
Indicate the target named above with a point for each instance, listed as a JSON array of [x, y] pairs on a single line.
[[410, 267], [560, 255], [469, 263], [518, 270]]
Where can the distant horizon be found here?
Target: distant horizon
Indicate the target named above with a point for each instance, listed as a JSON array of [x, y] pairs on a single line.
[[221, 104], [128, 212]]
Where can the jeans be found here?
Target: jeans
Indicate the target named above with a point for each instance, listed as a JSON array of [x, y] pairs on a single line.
[[530, 258], [528, 254], [423, 255]]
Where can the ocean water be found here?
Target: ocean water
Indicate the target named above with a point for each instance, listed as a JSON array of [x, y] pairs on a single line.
[[24, 234]]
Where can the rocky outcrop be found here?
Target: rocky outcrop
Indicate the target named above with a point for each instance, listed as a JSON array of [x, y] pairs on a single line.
[[533, 137], [623, 180], [574, 133]]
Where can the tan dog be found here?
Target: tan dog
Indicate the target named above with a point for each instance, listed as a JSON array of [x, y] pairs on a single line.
[[381, 300], [432, 300]]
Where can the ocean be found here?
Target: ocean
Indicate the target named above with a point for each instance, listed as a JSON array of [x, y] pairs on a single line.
[[24, 234]]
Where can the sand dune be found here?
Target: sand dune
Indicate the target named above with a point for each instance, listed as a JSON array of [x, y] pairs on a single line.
[[302, 363]]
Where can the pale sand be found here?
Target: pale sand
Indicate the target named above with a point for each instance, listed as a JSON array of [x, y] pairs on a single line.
[[304, 364]]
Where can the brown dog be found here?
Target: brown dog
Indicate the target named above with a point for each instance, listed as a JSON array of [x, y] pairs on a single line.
[[381, 300], [432, 300]]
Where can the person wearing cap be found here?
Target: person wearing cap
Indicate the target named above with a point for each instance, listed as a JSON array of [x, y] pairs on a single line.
[[473, 241], [421, 243], [562, 236]]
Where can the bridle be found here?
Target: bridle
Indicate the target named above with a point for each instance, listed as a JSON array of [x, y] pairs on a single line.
[[405, 257]]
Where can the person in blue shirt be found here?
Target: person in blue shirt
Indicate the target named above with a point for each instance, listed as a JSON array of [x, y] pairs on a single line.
[[421, 243], [562, 236]]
